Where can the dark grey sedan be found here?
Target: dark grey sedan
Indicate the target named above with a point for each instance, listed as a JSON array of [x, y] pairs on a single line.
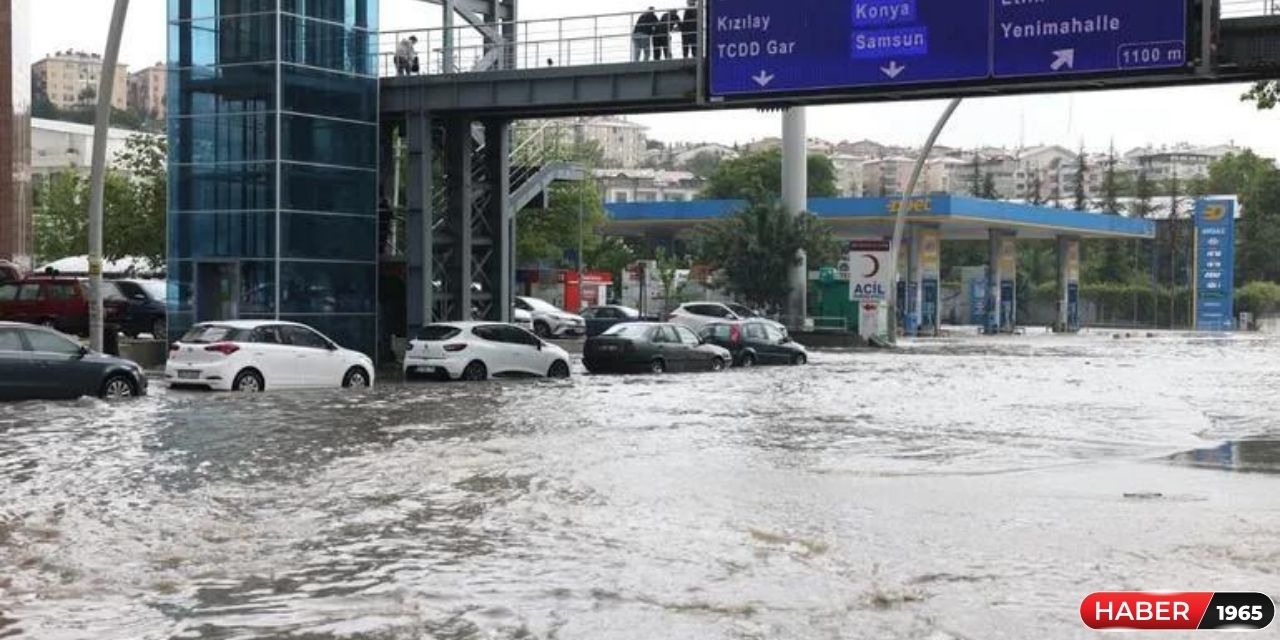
[[41, 364]]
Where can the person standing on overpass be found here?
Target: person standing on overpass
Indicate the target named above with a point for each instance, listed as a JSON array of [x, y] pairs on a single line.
[[642, 36], [405, 54], [689, 30], [662, 35]]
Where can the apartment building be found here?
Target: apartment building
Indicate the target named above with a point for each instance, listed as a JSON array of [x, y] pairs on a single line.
[[70, 79]]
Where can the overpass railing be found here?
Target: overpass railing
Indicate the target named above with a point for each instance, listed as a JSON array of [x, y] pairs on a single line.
[[555, 42]]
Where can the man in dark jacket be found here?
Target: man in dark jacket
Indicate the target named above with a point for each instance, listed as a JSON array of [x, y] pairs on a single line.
[[662, 35], [642, 36], [689, 30]]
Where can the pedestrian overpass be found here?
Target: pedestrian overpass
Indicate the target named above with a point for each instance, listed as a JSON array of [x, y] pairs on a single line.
[[467, 175]]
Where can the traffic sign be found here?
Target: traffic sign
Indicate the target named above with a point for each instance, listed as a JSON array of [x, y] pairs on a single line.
[[1215, 265], [764, 47]]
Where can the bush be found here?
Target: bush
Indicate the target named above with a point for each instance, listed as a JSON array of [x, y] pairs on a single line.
[[1258, 298]]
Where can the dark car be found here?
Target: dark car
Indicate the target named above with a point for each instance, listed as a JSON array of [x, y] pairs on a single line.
[[9, 272], [58, 302], [146, 311], [652, 347], [38, 363], [600, 319], [755, 342]]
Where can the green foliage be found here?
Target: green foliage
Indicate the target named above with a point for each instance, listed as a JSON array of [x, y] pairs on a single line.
[[133, 207], [1111, 261], [1119, 303], [989, 188], [758, 176], [1258, 298], [1264, 94], [543, 235], [704, 164], [1035, 189], [755, 249], [1257, 182], [1144, 191], [1081, 201], [668, 268]]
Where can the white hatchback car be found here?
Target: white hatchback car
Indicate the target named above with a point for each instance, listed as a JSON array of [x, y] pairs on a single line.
[[257, 355], [480, 350]]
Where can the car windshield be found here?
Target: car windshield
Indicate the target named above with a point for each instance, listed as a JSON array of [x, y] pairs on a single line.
[[156, 289], [541, 305], [211, 333], [628, 312], [438, 332]]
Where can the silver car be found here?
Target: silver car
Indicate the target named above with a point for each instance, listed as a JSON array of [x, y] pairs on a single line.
[[697, 315], [550, 321]]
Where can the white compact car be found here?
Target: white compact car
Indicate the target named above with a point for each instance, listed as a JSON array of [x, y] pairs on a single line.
[[253, 356], [696, 315], [550, 321], [522, 319], [480, 350]]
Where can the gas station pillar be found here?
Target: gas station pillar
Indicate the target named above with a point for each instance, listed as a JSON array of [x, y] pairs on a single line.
[[924, 304], [1002, 289], [1068, 285]]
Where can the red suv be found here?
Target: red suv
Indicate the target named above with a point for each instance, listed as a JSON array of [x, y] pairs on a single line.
[[58, 302]]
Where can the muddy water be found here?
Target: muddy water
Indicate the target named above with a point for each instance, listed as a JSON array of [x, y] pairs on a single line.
[[959, 489]]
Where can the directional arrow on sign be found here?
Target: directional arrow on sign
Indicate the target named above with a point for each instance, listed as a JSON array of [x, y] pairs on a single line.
[[893, 70], [764, 78], [1063, 58]]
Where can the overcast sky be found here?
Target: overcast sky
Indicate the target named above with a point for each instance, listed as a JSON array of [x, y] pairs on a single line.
[[1204, 115]]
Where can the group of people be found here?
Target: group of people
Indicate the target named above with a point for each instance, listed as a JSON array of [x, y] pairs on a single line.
[[651, 39]]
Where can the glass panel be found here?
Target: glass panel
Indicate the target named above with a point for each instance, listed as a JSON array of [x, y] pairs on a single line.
[[311, 287], [211, 333], [353, 13], [303, 337], [304, 235], [8, 292], [187, 9], [307, 188], [326, 93], [330, 46], [182, 286], [234, 234], [10, 341], [357, 333], [213, 139], [329, 142], [221, 187], [214, 41], [257, 287], [218, 90]]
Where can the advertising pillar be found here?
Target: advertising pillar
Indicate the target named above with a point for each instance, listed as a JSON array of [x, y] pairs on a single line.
[[1068, 285], [999, 272], [1215, 265], [912, 278], [1009, 284], [869, 287]]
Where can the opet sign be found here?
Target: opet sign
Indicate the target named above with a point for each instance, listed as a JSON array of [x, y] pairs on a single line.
[[869, 270]]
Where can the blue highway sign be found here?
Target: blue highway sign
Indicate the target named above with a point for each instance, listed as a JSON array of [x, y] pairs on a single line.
[[763, 47]]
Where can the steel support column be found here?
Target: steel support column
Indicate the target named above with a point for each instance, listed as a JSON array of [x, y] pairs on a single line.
[[420, 246], [456, 231], [497, 267], [795, 197]]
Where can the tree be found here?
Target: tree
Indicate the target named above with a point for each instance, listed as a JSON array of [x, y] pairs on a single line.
[[544, 234], [1035, 189], [703, 164], [1082, 182], [668, 275], [975, 181], [1175, 242], [1113, 266], [1257, 182], [759, 176], [134, 207], [755, 248], [989, 187], [1265, 94]]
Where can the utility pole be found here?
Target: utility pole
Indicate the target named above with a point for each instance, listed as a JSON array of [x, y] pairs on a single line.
[[795, 199], [97, 178]]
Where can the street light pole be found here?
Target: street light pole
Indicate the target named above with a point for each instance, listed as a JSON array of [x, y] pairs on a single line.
[[900, 222], [97, 178]]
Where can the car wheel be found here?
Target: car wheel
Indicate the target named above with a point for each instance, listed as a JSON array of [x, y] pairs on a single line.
[[249, 381], [475, 372], [717, 364], [159, 330], [559, 369], [799, 359], [748, 360], [356, 378], [657, 366], [118, 387], [542, 329]]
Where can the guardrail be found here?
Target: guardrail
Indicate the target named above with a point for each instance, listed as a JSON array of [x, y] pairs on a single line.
[[558, 42]]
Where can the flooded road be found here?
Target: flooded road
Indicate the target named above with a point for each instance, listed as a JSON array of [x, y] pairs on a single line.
[[956, 489]]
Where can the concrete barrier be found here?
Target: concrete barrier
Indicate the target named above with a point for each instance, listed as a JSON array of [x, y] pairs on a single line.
[[149, 354]]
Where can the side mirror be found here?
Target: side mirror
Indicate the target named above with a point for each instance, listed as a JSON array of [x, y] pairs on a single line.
[[83, 352], [540, 344]]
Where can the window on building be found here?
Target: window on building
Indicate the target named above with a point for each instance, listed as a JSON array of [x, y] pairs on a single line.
[[620, 196]]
